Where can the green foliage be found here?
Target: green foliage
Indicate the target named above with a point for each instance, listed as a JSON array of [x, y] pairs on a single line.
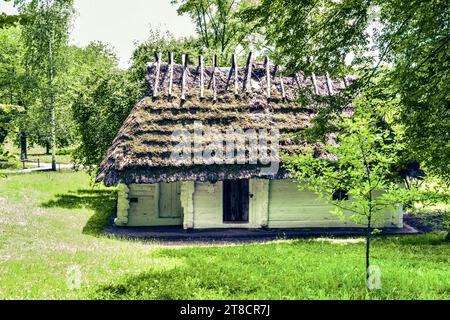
[[99, 109], [366, 153], [101, 101], [159, 42], [7, 115], [25, 71], [102, 95], [407, 41], [309, 35], [11, 164], [45, 37], [220, 29], [431, 203], [11, 68], [79, 64], [17, 86], [415, 37], [8, 20], [329, 111]]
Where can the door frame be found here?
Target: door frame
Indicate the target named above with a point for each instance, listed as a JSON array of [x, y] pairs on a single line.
[[156, 220], [258, 205], [244, 211], [177, 196]]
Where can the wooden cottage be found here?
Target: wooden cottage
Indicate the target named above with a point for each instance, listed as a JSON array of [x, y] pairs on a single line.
[[154, 190]]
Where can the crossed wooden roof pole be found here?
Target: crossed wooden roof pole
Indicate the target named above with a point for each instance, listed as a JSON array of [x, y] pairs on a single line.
[[233, 75]]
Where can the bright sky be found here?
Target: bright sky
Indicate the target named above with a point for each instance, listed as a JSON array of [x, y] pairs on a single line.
[[120, 23]]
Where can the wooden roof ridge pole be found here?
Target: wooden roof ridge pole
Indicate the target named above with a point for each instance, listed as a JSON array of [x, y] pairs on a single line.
[[297, 80], [267, 66], [345, 82], [184, 61], [314, 81], [329, 84], [158, 68], [235, 69], [248, 75], [230, 72], [202, 78], [283, 91], [170, 73], [213, 78]]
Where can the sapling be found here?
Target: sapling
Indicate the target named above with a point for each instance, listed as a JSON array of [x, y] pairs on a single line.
[[358, 176]]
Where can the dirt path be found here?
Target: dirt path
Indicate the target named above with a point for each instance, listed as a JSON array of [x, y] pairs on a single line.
[[43, 166]]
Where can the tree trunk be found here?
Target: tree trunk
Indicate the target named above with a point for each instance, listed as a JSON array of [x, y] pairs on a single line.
[[47, 147], [367, 257], [52, 103], [23, 145], [53, 136], [368, 238]]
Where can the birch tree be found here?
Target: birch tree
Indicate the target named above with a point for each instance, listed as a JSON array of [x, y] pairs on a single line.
[[45, 36]]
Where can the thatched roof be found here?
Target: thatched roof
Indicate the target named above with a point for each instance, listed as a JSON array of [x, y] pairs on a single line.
[[141, 151]]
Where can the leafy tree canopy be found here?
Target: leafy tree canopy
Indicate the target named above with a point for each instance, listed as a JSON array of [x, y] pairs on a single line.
[[220, 29], [100, 102], [163, 42], [400, 50], [12, 20]]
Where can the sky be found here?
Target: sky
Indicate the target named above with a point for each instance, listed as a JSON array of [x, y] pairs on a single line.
[[120, 23]]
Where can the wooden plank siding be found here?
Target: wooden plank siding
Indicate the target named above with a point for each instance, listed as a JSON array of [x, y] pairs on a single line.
[[169, 200], [187, 203], [273, 204], [291, 208], [145, 212], [208, 206]]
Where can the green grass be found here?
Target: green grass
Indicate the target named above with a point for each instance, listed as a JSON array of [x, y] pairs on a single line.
[[51, 222], [47, 158], [36, 152]]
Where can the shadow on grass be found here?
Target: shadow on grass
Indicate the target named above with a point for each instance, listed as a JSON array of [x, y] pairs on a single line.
[[182, 282], [102, 202], [254, 272], [422, 240]]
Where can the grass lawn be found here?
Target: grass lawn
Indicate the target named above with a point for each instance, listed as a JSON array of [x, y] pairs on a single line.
[[38, 152], [47, 158], [50, 224]]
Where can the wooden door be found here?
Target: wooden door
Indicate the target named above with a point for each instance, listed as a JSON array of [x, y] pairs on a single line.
[[236, 195], [169, 200]]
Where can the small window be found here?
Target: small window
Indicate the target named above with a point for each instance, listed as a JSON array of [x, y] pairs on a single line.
[[134, 200], [340, 195]]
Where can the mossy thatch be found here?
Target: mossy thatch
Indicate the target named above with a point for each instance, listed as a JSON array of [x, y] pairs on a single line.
[[141, 151]]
